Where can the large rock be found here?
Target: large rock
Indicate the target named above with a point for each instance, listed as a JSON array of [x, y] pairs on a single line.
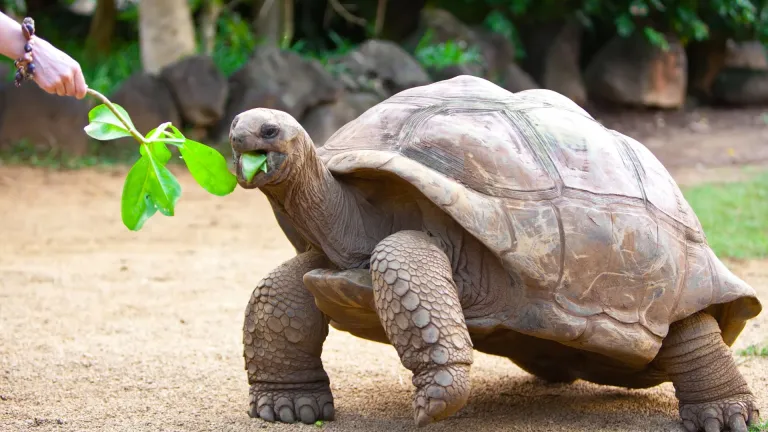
[[277, 79], [43, 120], [746, 55], [515, 79], [705, 61], [444, 27], [385, 62], [741, 87], [455, 70], [553, 53], [148, 101], [498, 53], [631, 71], [323, 120], [200, 89]]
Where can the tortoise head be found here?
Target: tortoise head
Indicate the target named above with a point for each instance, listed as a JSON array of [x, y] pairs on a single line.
[[268, 133]]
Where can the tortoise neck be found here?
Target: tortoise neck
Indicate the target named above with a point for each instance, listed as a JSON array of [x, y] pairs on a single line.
[[329, 214]]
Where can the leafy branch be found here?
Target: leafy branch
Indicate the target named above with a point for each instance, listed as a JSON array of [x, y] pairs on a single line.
[[149, 185]]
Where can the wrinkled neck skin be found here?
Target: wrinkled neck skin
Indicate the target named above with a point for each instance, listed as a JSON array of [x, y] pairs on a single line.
[[330, 215]]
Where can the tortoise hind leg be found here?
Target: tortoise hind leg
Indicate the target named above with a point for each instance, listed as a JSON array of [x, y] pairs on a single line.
[[712, 393]]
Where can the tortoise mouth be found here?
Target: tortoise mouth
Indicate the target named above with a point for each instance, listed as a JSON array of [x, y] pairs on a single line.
[[246, 178]]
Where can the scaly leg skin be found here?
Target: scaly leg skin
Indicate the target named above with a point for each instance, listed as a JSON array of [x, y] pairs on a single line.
[[283, 336], [713, 395], [418, 304]]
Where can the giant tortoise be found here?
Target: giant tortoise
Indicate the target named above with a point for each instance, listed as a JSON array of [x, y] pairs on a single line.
[[459, 216]]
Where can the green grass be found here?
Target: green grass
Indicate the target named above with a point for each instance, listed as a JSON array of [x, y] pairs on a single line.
[[754, 350], [760, 427], [734, 216], [23, 153]]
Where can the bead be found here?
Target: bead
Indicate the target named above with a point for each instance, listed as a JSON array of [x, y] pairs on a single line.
[[31, 69], [19, 76], [27, 47]]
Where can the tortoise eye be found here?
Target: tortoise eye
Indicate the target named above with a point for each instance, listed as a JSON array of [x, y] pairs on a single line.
[[269, 130]]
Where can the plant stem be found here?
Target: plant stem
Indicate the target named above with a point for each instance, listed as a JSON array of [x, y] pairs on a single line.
[[117, 114]]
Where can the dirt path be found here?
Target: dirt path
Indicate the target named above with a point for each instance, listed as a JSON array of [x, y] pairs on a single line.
[[102, 329]]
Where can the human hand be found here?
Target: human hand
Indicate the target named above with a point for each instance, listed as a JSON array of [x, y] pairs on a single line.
[[55, 71]]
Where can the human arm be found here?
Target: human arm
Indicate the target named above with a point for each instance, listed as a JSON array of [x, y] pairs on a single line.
[[11, 38], [55, 71]]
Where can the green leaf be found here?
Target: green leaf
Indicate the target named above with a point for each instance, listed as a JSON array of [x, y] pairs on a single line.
[[156, 132], [136, 204], [158, 149], [105, 126], [624, 25], [208, 167], [176, 132], [163, 186], [251, 163], [656, 38]]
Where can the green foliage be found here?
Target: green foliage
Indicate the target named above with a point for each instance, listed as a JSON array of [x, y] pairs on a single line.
[[234, 42], [106, 74], [24, 153], [733, 216], [341, 47], [149, 185], [442, 55], [498, 22], [754, 350], [689, 20], [104, 125], [760, 427]]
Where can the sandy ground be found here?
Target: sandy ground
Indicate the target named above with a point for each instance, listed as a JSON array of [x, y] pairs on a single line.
[[103, 329]]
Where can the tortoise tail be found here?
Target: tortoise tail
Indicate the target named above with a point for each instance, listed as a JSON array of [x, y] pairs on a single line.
[[734, 302]]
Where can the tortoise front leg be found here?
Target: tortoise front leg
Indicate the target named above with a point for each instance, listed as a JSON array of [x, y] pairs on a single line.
[[712, 393], [418, 304], [283, 336]]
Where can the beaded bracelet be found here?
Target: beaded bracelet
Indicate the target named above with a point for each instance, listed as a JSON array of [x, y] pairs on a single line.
[[25, 68]]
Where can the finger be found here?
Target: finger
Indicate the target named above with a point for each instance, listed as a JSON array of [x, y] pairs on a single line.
[[80, 87], [737, 423], [60, 89], [69, 86]]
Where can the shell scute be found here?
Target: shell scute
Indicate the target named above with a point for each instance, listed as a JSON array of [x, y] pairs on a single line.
[[585, 155], [618, 261]]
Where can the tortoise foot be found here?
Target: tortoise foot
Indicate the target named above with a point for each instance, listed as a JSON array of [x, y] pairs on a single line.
[[289, 403], [440, 393], [734, 414]]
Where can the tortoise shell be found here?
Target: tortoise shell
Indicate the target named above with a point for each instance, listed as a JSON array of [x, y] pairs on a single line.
[[609, 251]]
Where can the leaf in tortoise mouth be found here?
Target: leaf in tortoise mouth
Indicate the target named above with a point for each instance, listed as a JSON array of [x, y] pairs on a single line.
[[251, 163]]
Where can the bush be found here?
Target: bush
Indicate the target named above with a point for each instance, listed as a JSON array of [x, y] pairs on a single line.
[[689, 20]]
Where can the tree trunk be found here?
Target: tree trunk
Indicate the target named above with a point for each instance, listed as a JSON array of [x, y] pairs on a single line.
[[102, 27], [381, 12], [208, 23], [166, 33], [274, 22]]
